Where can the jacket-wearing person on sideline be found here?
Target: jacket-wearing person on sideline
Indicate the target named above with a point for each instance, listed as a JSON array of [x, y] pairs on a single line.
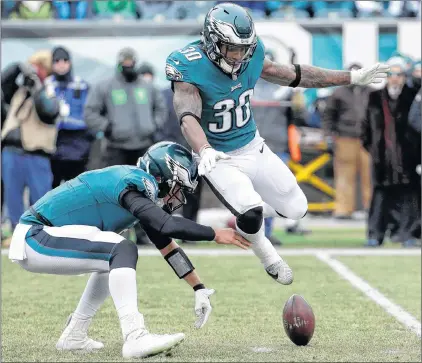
[[29, 132], [395, 181], [342, 123], [73, 139], [127, 109]]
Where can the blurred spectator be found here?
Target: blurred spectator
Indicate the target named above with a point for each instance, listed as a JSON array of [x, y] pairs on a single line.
[[405, 9], [334, 8], [257, 8], [395, 181], [73, 139], [116, 9], [415, 77], [129, 111], [369, 8], [7, 6], [32, 10], [29, 132], [342, 123], [3, 109], [147, 72], [317, 109], [153, 10], [414, 136], [283, 9], [79, 9]]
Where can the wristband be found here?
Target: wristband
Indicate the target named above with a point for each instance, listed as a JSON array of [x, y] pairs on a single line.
[[198, 287], [296, 82], [188, 114]]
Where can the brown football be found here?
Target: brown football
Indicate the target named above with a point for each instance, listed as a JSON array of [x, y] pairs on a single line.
[[298, 320]]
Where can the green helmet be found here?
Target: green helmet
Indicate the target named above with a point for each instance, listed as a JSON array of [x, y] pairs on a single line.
[[231, 26], [174, 169]]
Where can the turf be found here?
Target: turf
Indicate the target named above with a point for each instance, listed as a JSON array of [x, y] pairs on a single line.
[[245, 324], [397, 278], [320, 238]]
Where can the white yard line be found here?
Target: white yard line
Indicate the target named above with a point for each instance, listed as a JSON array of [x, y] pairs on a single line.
[[393, 309], [283, 252]]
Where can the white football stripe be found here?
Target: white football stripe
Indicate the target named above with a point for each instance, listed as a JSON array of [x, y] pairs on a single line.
[[390, 307]]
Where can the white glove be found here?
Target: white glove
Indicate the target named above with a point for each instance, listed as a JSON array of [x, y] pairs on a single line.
[[418, 169], [209, 158], [375, 74], [202, 306]]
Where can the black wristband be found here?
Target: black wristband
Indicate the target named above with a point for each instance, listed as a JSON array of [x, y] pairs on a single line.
[[296, 82], [198, 287], [188, 114]]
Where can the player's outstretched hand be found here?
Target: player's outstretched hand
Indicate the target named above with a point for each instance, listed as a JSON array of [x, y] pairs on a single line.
[[228, 236], [364, 76], [202, 306], [209, 158]]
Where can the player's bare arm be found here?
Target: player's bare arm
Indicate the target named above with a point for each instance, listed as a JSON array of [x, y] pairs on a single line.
[[314, 77], [188, 107], [187, 102]]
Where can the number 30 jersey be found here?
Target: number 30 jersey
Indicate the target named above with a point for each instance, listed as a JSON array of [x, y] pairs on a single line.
[[227, 117]]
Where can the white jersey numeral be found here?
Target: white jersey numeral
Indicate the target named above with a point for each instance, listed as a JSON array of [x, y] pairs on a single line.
[[239, 116], [191, 53]]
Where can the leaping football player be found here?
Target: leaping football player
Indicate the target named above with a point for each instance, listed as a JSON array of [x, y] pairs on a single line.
[[73, 230], [213, 81]]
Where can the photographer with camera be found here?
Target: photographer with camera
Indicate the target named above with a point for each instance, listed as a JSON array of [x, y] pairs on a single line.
[[29, 132]]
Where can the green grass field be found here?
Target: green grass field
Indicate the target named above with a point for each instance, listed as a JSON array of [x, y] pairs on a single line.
[[245, 324]]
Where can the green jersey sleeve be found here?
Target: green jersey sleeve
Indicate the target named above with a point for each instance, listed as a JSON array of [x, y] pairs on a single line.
[[140, 181], [183, 65]]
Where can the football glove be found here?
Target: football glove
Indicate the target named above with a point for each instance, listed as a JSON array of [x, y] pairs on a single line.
[[202, 306], [364, 76], [209, 158]]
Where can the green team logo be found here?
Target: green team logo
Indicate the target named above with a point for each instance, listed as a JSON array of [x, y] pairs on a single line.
[[141, 96], [119, 97]]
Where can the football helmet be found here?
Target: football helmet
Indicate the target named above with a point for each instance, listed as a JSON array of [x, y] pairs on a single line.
[[174, 169], [229, 37]]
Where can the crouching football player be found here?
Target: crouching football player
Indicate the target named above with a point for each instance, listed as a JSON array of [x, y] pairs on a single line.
[[74, 229]]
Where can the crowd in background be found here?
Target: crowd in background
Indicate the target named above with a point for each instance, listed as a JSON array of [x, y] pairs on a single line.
[[160, 10], [52, 120]]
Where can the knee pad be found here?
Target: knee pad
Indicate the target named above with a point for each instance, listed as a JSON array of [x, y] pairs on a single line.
[[125, 254], [250, 222]]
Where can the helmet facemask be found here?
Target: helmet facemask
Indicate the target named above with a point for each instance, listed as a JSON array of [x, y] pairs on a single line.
[[182, 182], [225, 47]]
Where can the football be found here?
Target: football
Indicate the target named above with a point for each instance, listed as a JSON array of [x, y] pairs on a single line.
[[298, 320]]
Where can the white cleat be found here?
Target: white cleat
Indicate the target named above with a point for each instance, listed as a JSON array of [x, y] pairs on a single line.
[[75, 337], [142, 344], [281, 272]]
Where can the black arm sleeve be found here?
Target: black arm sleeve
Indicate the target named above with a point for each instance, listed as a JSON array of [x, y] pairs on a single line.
[[156, 220]]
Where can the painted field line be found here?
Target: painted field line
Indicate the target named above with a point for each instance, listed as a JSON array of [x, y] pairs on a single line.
[[393, 309], [283, 252]]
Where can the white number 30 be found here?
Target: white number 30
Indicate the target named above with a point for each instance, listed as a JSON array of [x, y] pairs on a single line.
[[231, 115]]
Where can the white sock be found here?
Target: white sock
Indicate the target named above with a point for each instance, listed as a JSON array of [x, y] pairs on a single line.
[[261, 246], [122, 285], [95, 293]]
